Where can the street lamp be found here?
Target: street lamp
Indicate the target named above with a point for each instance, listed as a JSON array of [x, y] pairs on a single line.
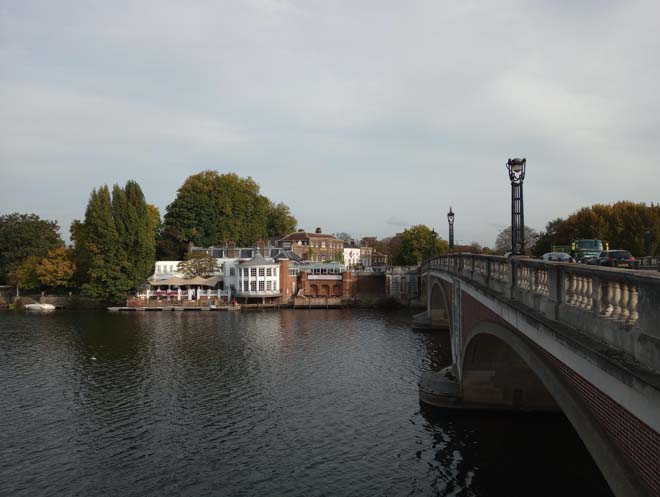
[[434, 248], [516, 169], [450, 218]]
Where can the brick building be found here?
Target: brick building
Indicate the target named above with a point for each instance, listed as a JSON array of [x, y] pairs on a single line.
[[315, 247]]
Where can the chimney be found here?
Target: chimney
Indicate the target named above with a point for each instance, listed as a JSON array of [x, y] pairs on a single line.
[[261, 246], [300, 230], [317, 230], [231, 248]]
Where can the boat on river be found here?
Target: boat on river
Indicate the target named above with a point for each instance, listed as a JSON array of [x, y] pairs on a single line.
[[39, 307]]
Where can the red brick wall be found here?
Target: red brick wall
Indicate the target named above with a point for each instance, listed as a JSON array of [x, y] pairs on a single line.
[[637, 441]]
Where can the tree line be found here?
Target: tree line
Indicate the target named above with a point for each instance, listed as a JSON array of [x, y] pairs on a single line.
[[114, 246]]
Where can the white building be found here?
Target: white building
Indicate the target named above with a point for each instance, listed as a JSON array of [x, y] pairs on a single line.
[[351, 257], [259, 277]]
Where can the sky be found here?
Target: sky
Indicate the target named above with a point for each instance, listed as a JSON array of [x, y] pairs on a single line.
[[364, 117]]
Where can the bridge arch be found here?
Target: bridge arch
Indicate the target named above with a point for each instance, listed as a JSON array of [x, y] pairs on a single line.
[[502, 369], [438, 305]]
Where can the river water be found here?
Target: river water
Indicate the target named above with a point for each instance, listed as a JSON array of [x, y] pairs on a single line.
[[289, 403]]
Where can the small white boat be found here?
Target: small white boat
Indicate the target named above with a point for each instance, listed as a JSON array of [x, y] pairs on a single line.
[[39, 307]]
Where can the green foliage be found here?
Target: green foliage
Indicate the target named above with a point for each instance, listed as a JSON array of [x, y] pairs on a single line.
[[415, 245], [623, 224], [197, 264], [544, 242], [22, 236], [211, 207], [279, 220], [26, 275], [114, 247]]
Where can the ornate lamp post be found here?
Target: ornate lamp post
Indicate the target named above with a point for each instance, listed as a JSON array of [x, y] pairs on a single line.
[[516, 169], [434, 248], [450, 219]]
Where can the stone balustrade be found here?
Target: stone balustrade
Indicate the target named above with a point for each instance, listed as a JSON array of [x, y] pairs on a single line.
[[618, 306]]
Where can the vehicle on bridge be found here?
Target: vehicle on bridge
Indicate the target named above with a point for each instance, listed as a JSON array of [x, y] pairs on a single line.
[[617, 258], [557, 257]]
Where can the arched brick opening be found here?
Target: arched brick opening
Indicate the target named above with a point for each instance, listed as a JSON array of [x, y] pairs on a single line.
[[500, 366], [438, 307], [336, 290], [314, 290], [325, 291]]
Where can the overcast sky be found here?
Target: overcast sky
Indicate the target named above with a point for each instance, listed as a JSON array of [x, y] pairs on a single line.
[[364, 117]]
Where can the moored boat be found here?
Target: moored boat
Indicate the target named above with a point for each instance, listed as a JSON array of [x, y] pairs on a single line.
[[39, 307]]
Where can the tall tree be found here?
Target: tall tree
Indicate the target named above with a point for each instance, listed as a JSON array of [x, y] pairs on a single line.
[[416, 246], [24, 235], [141, 230], [102, 250], [211, 207], [279, 220]]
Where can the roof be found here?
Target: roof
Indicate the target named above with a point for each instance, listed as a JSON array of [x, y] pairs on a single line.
[[197, 280], [259, 260], [302, 235], [288, 254]]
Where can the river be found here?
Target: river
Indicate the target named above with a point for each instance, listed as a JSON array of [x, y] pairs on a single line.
[[282, 403]]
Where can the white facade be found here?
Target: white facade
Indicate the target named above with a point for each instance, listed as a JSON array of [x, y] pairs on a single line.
[[166, 269], [351, 257], [258, 277]]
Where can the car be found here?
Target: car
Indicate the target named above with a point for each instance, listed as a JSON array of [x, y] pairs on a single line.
[[617, 258], [557, 257], [588, 259]]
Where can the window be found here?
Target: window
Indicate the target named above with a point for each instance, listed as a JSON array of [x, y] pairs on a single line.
[[253, 286], [275, 285], [171, 269], [261, 271], [232, 271], [323, 244], [269, 285], [245, 285], [261, 285], [253, 271], [275, 271], [269, 272]]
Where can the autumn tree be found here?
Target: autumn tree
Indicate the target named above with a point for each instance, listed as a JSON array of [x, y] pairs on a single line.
[[56, 269], [417, 245], [22, 236], [25, 275], [625, 225]]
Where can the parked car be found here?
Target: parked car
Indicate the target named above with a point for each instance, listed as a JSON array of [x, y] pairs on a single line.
[[617, 258], [588, 259], [557, 257]]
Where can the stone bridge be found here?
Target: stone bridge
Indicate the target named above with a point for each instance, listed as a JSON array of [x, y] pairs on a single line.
[[534, 335]]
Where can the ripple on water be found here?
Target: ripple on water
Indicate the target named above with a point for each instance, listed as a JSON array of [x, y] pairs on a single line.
[[296, 403]]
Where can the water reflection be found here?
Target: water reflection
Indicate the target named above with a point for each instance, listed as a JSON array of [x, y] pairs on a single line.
[[298, 403]]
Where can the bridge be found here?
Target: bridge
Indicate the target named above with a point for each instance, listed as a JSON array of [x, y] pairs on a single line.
[[535, 335]]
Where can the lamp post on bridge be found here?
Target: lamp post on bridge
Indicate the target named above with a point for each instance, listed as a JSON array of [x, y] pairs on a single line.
[[450, 219], [516, 169], [434, 248]]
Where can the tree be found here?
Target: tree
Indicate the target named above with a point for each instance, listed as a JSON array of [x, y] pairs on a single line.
[[343, 236], [279, 220], [99, 247], [140, 225], [211, 207], [546, 239], [416, 246], [198, 264], [22, 236], [503, 241], [25, 275], [56, 269], [623, 224]]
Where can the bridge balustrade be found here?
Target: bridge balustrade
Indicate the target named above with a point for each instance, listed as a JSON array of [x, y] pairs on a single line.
[[618, 306]]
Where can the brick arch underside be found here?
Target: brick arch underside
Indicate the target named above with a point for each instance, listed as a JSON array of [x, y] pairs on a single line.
[[440, 302], [624, 447]]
